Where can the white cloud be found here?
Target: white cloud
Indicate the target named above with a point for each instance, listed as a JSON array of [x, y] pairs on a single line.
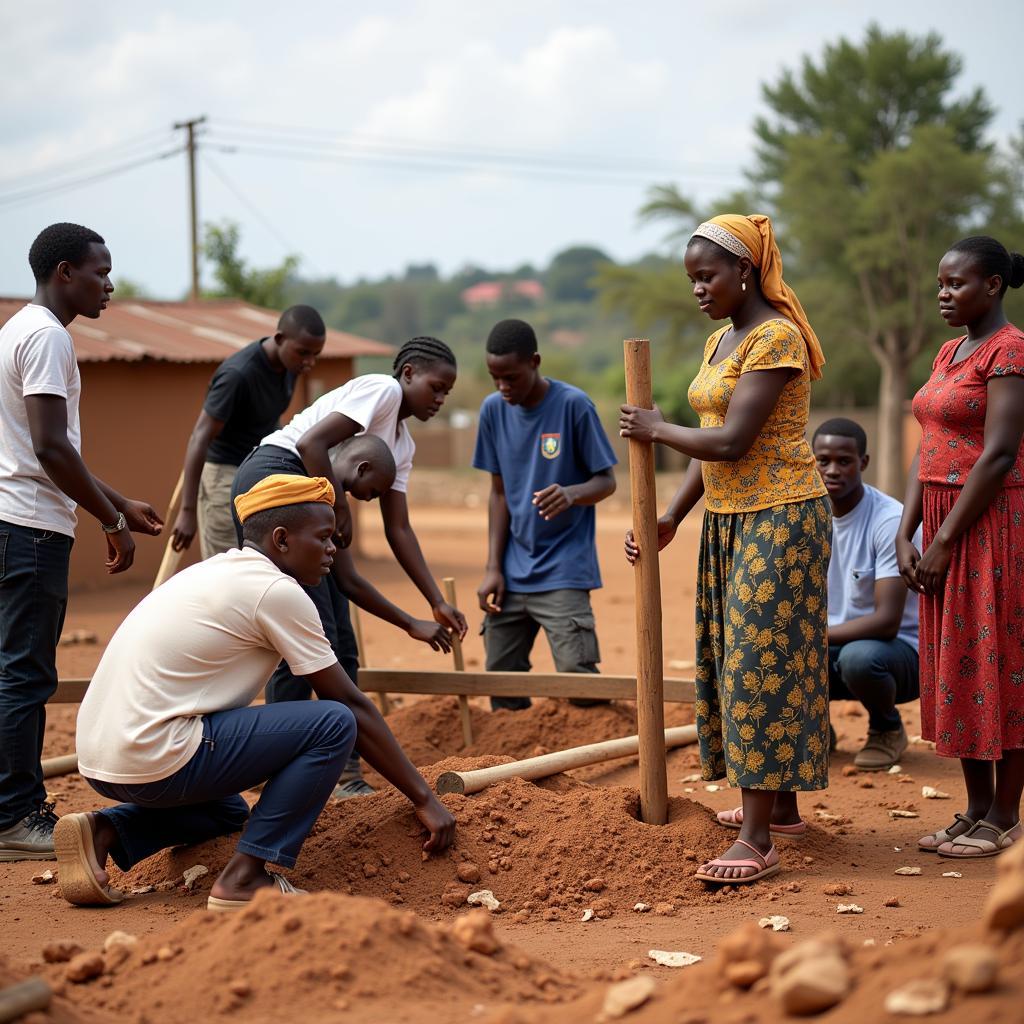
[[562, 92]]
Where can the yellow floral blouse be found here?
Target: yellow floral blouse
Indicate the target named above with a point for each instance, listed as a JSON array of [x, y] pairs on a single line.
[[779, 468]]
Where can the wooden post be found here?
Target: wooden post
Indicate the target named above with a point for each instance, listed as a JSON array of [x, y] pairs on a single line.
[[650, 707], [460, 666], [172, 559], [357, 627]]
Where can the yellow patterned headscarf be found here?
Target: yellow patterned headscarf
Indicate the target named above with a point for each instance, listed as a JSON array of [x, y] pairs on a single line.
[[754, 238], [281, 489]]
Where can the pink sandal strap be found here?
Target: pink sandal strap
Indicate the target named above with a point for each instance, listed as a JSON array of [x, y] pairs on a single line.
[[762, 857], [721, 862]]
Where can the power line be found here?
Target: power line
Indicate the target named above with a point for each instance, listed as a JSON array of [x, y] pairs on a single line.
[[119, 150], [254, 209], [440, 163], [313, 136], [26, 196]]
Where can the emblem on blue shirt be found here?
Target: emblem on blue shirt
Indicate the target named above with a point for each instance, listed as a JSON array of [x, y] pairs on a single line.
[[550, 445]]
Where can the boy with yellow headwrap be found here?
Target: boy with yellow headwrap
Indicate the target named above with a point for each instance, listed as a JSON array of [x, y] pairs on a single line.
[[167, 729]]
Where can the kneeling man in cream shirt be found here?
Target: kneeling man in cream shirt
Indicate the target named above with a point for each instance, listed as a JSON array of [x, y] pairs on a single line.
[[165, 726]]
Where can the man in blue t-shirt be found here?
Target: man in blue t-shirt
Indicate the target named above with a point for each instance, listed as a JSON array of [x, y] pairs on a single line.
[[550, 464], [872, 626]]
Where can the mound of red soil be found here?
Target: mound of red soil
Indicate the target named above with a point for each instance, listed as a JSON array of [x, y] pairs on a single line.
[[430, 729], [551, 850], [315, 959]]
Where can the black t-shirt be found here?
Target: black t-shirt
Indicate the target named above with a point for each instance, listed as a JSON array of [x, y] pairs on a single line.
[[248, 395]]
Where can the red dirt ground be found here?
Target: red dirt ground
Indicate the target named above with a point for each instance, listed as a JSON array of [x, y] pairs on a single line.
[[562, 834]]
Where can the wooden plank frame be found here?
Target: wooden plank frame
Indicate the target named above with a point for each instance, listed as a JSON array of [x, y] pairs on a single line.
[[475, 684]]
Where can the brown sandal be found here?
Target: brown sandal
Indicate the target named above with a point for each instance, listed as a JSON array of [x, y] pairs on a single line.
[[72, 842], [931, 843]]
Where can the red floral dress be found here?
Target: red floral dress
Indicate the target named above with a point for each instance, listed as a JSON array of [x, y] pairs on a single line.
[[972, 634]]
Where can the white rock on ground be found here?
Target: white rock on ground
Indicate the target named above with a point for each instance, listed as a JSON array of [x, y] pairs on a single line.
[[918, 998], [777, 923], [625, 996], [483, 898], [667, 958]]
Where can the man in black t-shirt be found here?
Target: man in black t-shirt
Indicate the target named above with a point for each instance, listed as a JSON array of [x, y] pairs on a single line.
[[247, 395]]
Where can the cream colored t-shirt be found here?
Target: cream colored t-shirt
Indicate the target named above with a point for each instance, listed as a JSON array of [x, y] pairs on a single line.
[[207, 640]]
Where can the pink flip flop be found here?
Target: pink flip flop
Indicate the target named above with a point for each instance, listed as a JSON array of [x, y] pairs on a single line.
[[734, 819], [764, 865]]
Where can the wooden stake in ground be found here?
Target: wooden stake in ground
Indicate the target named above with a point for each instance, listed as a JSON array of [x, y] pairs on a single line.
[[557, 761], [172, 559], [383, 701], [464, 715], [650, 707]]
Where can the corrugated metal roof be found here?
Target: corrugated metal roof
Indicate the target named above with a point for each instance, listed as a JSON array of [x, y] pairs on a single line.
[[131, 330]]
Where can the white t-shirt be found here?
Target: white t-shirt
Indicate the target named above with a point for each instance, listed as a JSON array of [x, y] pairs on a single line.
[[36, 358], [863, 551], [373, 401], [207, 640]]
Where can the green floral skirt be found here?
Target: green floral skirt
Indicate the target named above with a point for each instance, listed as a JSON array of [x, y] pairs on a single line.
[[762, 646]]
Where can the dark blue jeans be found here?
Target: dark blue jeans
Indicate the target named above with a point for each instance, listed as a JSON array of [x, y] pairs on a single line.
[[297, 748], [878, 673], [33, 600], [331, 603]]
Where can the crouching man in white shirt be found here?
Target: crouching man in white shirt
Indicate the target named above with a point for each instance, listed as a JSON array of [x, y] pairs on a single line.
[[166, 728], [872, 622]]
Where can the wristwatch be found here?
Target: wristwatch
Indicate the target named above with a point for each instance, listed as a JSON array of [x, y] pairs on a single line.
[[120, 524]]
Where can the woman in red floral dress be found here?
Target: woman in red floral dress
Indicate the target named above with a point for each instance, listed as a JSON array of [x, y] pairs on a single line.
[[968, 484]]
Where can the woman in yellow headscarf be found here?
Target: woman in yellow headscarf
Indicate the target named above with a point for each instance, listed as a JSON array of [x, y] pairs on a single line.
[[762, 630]]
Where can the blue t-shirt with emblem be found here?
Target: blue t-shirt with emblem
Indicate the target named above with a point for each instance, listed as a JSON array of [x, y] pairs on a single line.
[[559, 441]]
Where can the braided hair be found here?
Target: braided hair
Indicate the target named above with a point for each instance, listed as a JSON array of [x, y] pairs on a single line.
[[423, 351], [992, 258]]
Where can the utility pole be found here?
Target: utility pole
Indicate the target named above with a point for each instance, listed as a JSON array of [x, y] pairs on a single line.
[[190, 151]]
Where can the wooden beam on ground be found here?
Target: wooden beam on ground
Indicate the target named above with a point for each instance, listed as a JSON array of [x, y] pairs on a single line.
[[24, 997], [650, 707], [65, 764], [474, 684], [464, 715], [69, 691], [557, 761], [519, 684]]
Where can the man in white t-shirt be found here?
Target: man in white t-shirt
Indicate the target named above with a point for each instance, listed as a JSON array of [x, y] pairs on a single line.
[[872, 619], [166, 725], [42, 479], [378, 405]]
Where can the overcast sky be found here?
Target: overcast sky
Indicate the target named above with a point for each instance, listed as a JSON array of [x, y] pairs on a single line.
[[484, 133]]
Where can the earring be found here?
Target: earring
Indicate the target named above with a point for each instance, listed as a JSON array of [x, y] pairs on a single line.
[[743, 285]]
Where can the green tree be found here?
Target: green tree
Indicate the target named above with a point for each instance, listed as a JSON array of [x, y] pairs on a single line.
[[570, 277], [874, 168], [266, 287]]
